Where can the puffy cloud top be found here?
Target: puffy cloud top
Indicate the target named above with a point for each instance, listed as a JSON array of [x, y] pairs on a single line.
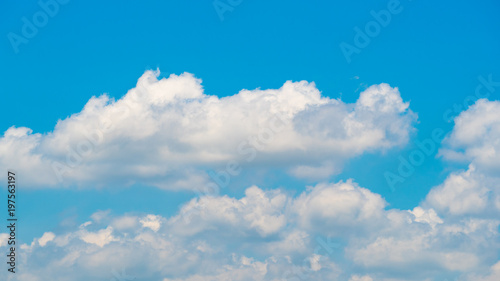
[[476, 136], [167, 132]]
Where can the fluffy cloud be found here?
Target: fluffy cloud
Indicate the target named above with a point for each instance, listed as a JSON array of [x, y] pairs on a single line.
[[258, 212], [338, 208], [152, 222], [476, 137], [468, 192], [270, 235], [418, 248], [96, 251], [47, 237], [4, 239], [168, 133], [455, 229], [100, 238]]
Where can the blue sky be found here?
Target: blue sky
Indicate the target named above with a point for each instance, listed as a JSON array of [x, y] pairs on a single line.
[[434, 53]]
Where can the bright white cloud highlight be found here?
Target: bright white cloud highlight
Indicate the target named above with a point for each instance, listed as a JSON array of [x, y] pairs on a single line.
[[47, 237], [168, 132], [476, 137]]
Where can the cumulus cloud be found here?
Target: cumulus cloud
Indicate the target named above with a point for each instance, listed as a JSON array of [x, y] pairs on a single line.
[[99, 238], [47, 237], [270, 235], [167, 133], [454, 231], [476, 137], [4, 239], [424, 251], [96, 251], [338, 207], [152, 222], [258, 212], [428, 216], [467, 192]]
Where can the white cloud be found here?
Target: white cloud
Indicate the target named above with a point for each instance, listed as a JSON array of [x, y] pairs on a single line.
[[270, 235], [476, 137], [428, 216], [152, 222], [259, 211], [168, 133], [314, 261], [338, 208], [99, 238], [448, 247], [46, 237], [465, 193], [243, 269], [296, 241], [4, 239]]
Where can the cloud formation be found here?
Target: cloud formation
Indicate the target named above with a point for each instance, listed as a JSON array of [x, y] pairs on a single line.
[[476, 137], [475, 140], [330, 231], [169, 133], [272, 235]]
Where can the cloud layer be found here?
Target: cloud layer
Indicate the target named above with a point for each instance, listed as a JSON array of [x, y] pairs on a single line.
[[335, 231], [168, 133], [476, 137]]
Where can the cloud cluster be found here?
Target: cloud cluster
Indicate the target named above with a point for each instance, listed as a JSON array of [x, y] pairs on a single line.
[[469, 192], [271, 235], [168, 133], [476, 137]]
